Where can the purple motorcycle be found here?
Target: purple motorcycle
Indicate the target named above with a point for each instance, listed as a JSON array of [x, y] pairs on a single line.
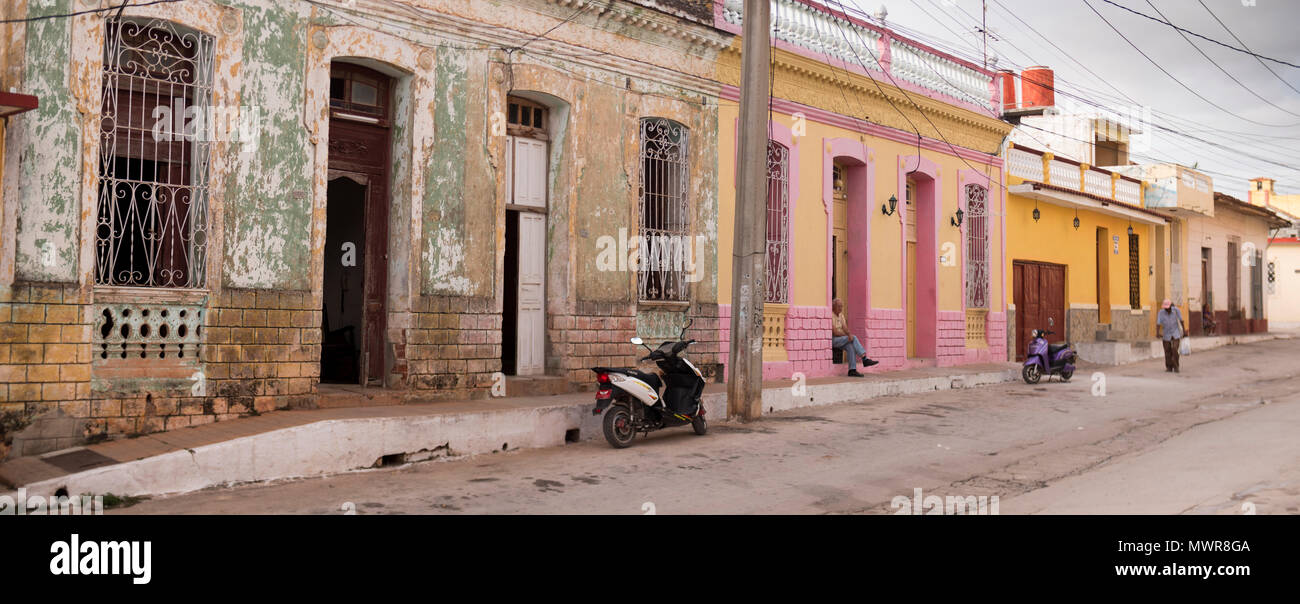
[[1049, 359]]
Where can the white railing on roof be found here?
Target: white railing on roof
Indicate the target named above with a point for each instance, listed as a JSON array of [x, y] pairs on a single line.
[[929, 70], [807, 27], [1096, 183], [1064, 174], [1026, 165], [1128, 192]]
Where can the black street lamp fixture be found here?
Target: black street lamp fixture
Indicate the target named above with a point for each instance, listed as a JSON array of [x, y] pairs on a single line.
[[893, 205], [1076, 223], [1037, 214], [957, 222]]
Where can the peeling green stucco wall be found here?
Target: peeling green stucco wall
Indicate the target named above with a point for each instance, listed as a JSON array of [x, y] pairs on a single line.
[[49, 210], [267, 205], [446, 246]]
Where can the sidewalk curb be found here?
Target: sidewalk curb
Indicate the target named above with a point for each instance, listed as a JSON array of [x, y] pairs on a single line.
[[361, 443]]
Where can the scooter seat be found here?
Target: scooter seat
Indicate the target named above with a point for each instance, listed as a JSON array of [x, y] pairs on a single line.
[[649, 378], [1052, 349]]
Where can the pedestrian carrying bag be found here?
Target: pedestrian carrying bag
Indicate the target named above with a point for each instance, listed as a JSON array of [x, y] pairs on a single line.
[[1185, 347]]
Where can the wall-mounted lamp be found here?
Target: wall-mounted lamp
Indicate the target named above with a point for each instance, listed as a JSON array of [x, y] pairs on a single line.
[[889, 210], [1076, 223], [957, 222], [1130, 230], [1037, 215]]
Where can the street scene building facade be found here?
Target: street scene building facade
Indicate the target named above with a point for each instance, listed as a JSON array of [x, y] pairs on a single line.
[[878, 144], [218, 207]]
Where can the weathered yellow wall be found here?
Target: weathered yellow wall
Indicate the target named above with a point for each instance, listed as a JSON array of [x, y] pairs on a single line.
[[1054, 239]]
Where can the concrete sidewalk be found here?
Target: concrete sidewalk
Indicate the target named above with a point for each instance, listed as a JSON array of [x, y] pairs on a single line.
[[1121, 353], [318, 442]]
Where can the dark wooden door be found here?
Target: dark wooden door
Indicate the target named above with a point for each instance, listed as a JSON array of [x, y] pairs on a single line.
[[1039, 295], [363, 149]]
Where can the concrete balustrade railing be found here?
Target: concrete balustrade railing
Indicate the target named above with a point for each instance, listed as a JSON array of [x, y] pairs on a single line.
[[829, 33]]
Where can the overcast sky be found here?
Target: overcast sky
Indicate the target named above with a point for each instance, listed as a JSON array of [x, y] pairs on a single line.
[[1269, 28]]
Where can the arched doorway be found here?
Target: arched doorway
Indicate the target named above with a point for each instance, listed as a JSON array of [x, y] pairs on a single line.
[[922, 262], [354, 293]]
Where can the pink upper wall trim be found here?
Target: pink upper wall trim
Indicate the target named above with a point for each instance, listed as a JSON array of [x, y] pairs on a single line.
[[830, 118]]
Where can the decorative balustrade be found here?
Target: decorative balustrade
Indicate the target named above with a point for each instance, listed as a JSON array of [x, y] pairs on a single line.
[[929, 70], [1096, 182], [1128, 191], [1026, 165], [812, 28], [1036, 166], [1063, 174]]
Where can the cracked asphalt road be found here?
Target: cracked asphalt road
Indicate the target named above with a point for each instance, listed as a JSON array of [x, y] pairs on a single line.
[[1220, 437]]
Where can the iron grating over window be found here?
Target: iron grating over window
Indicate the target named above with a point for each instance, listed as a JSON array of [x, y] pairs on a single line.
[[152, 211], [977, 247], [665, 211], [1134, 274], [778, 224]]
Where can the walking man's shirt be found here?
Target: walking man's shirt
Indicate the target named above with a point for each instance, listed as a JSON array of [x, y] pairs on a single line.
[[1170, 323]]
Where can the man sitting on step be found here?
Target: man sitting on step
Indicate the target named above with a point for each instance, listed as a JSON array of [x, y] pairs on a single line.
[[842, 338]]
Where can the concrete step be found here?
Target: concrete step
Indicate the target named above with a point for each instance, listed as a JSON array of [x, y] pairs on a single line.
[[337, 396], [537, 385]]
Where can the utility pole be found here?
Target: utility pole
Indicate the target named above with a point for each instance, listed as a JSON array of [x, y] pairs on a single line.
[[749, 249]]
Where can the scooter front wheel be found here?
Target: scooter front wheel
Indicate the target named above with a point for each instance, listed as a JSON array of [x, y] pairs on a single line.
[[619, 426], [1031, 374]]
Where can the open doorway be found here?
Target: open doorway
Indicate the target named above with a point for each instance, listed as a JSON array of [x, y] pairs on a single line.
[[344, 286], [355, 281]]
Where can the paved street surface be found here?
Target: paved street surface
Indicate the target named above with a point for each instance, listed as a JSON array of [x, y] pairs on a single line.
[[1219, 438]]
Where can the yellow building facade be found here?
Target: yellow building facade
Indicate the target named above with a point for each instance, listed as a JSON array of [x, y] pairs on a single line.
[[1085, 258], [866, 211]]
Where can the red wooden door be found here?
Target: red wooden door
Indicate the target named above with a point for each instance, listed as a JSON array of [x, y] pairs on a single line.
[[1039, 295]]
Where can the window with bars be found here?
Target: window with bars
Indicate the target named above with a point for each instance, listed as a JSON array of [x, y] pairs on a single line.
[[152, 207], [1134, 274], [977, 247], [777, 260], [665, 211]]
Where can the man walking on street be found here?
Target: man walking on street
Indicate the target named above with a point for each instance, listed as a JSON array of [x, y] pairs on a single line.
[[842, 338], [1169, 322]]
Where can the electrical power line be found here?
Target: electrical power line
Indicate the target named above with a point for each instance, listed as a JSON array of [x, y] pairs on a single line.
[[1243, 45], [1220, 67], [1174, 78], [1208, 39]]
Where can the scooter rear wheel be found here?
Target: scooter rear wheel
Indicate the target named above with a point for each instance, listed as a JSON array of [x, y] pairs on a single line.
[[1066, 375], [619, 426], [701, 427], [1031, 374]]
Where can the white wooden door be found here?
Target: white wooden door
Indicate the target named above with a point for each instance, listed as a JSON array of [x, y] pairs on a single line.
[[529, 172], [530, 358], [528, 176]]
